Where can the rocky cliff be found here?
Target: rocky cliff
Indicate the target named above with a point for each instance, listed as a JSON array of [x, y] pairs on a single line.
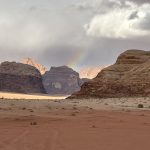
[[20, 78], [128, 77], [89, 73], [30, 61], [61, 80]]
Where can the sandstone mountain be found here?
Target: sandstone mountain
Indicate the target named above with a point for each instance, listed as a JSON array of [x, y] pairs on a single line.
[[32, 62], [89, 73], [20, 78], [61, 80], [128, 77]]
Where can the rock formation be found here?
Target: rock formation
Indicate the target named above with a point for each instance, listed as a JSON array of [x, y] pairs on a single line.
[[86, 80], [89, 73], [30, 61], [20, 78], [61, 80], [128, 77]]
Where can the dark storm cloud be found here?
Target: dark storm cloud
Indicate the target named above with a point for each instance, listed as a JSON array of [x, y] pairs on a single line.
[[93, 7], [105, 51], [140, 1], [145, 23], [103, 6], [58, 55], [133, 15], [14, 55]]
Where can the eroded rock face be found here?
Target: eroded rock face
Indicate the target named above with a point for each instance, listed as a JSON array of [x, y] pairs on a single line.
[[89, 73], [30, 61], [61, 80], [20, 78], [128, 77]]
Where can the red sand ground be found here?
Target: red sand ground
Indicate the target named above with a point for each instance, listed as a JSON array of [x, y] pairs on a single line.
[[90, 130]]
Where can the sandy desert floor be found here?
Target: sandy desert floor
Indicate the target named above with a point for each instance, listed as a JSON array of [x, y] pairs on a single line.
[[110, 124], [6, 95]]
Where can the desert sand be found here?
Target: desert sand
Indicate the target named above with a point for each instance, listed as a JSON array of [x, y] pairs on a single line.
[[95, 124], [8, 95]]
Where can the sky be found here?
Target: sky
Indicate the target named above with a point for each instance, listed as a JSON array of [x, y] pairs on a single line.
[[77, 33]]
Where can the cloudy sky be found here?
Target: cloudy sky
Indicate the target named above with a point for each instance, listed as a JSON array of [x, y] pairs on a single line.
[[79, 33]]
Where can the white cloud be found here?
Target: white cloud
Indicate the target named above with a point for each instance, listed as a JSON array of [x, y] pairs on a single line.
[[117, 23]]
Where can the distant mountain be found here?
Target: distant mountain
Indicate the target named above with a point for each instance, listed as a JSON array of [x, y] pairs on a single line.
[[32, 62], [128, 77], [61, 80], [89, 73], [20, 78]]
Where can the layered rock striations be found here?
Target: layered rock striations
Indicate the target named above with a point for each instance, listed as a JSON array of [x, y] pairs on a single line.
[[20, 78], [128, 77], [61, 80]]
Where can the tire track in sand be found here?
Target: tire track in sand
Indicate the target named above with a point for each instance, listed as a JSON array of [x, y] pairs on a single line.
[[8, 144]]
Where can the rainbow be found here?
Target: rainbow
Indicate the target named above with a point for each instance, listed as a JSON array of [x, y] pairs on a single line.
[[76, 59]]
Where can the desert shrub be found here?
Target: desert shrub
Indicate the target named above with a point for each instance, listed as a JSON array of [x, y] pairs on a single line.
[[33, 123], [140, 106], [93, 126], [73, 114], [24, 108], [49, 107], [74, 108]]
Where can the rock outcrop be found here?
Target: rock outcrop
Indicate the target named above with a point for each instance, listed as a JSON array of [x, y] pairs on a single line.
[[20, 78], [86, 80], [128, 77], [61, 80], [30, 61], [89, 73]]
